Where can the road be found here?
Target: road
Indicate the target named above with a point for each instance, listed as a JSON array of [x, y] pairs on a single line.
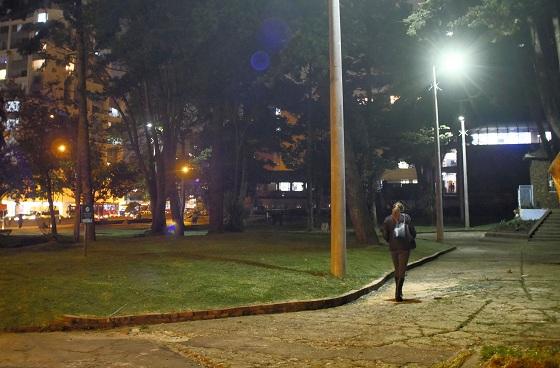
[[484, 293]]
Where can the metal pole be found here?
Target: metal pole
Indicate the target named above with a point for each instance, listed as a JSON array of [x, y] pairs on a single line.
[[465, 182], [338, 190], [439, 195]]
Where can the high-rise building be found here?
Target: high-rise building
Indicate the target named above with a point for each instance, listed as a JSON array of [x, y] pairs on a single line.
[[51, 72]]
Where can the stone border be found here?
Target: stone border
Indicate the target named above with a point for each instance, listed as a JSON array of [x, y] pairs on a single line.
[[70, 322]]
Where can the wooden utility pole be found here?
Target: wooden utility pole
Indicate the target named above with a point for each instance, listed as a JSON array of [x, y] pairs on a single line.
[[338, 190]]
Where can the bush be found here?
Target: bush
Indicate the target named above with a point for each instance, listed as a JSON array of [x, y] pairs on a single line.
[[515, 225], [235, 213]]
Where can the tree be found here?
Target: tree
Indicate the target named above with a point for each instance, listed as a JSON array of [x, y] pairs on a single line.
[[38, 133], [531, 25], [72, 36]]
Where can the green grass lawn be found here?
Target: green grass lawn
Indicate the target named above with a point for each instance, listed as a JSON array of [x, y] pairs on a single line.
[[453, 227], [160, 274]]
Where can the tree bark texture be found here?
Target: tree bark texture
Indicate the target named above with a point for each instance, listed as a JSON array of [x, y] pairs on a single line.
[[83, 126], [547, 88], [48, 185], [216, 186], [361, 222]]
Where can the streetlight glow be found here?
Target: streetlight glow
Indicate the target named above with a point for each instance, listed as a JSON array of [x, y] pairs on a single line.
[[185, 169], [453, 61], [61, 148], [448, 61]]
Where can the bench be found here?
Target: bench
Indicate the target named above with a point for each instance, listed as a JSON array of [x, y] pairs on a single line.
[[5, 232]]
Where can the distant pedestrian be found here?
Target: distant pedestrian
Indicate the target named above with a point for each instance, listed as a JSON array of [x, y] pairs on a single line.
[[20, 221], [399, 232]]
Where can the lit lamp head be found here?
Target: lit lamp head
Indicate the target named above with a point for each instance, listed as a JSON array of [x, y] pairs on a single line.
[[60, 148], [453, 62], [185, 169]]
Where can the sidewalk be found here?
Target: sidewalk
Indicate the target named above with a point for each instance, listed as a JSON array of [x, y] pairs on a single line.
[[484, 293]]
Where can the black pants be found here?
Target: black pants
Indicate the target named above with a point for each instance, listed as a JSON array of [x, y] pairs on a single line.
[[400, 260]]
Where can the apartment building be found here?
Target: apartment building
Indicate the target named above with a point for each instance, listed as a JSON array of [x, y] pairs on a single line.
[[51, 73]]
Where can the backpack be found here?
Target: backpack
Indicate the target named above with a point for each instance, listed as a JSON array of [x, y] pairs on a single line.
[[402, 231]]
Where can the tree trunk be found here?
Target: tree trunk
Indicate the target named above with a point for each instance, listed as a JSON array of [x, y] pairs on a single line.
[[243, 178], [425, 174], [361, 221], [216, 186], [556, 26], [158, 213], [83, 126], [309, 171], [77, 201], [545, 82], [170, 149], [48, 185]]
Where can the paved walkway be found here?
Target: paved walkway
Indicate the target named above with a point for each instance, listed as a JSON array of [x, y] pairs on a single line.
[[498, 292]]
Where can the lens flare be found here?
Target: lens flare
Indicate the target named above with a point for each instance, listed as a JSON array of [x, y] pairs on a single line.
[[260, 61]]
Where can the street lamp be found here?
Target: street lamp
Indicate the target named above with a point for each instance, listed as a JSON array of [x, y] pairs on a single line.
[[450, 61], [185, 169], [465, 182], [439, 194]]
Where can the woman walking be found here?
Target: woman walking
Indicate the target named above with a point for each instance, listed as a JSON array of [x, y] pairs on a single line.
[[399, 232]]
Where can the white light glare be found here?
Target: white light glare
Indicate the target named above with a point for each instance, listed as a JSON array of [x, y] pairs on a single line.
[[453, 61]]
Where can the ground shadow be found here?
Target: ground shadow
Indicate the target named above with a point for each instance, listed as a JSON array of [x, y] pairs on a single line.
[[405, 301], [257, 264]]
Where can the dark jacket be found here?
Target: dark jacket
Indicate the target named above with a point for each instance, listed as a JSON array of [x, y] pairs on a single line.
[[399, 243]]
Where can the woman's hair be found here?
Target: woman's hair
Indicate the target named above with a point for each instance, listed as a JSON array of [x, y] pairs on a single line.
[[396, 210]]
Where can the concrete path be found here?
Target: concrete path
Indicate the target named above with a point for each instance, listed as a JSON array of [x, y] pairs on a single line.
[[484, 293]]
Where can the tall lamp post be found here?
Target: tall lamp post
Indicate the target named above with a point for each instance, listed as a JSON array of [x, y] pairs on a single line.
[[184, 171], [338, 190], [439, 194], [450, 61], [465, 181]]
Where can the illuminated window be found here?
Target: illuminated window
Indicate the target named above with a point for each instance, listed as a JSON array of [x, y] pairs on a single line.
[[551, 186], [298, 186], [548, 135], [42, 17], [449, 182], [38, 64], [284, 186], [403, 165], [2, 74], [12, 106], [11, 123], [450, 159]]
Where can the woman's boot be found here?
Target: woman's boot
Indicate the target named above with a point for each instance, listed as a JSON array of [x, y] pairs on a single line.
[[398, 290]]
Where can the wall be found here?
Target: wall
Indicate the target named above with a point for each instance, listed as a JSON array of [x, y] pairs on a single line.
[[542, 196]]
